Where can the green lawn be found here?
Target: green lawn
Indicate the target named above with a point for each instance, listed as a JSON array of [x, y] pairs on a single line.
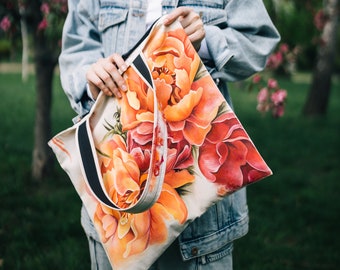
[[294, 214]]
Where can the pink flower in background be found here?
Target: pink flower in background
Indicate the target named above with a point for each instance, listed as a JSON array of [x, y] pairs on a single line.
[[43, 25], [278, 99], [320, 20], [279, 96], [278, 111], [272, 84], [262, 100], [284, 59], [257, 78], [5, 24], [263, 107], [284, 48], [275, 60], [45, 8], [262, 96], [271, 98]]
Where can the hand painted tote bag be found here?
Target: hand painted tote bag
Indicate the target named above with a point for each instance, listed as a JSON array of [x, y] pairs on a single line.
[[148, 164]]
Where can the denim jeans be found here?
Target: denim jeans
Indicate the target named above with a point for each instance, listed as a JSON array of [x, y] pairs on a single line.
[[171, 258]]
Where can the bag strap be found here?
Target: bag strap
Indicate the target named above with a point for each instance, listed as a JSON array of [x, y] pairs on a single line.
[[89, 160]]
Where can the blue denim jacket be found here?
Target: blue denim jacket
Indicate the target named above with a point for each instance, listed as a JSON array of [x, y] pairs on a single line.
[[239, 37]]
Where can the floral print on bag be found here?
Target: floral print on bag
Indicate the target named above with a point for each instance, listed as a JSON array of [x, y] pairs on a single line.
[[204, 138]]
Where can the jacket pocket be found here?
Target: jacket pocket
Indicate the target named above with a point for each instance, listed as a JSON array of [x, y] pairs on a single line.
[[212, 12], [109, 17], [112, 25], [214, 16]]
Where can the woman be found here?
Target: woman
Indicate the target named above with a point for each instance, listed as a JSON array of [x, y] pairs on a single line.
[[232, 37]]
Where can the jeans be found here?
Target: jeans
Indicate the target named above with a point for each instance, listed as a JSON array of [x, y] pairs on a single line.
[[171, 258]]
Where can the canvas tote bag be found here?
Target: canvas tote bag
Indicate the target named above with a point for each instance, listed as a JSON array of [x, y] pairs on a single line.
[[147, 165]]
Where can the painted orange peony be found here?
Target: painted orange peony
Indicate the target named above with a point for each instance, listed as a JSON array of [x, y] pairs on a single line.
[[128, 234], [124, 177]]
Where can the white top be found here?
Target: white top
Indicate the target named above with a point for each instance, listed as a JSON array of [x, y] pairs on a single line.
[[154, 11]]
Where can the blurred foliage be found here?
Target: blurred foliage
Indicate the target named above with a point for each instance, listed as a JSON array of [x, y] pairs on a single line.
[[43, 18], [295, 22]]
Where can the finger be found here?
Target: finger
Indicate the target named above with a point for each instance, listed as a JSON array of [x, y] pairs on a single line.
[[113, 79], [104, 80], [191, 19], [175, 14], [195, 28], [99, 76], [117, 70], [95, 81], [119, 62]]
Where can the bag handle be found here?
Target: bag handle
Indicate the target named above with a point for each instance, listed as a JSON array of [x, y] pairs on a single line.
[[89, 160]]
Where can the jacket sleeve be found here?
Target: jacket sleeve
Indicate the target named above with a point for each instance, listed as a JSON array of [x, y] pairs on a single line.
[[81, 47], [241, 47]]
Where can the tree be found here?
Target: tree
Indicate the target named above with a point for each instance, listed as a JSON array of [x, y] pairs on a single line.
[[319, 93], [44, 19]]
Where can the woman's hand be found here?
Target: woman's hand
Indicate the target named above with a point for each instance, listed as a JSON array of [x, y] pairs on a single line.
[[106, 75], [191, 22]]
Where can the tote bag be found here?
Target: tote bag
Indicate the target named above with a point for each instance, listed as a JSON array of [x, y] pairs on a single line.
[[148, 164]]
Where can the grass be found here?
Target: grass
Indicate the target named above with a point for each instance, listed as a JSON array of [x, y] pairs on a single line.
[[294, 214], [39, 222]]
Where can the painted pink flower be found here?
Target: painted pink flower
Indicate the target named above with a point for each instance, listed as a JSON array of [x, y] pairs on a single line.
[[5, 24], [139, 143], [228, 157], [179, 151]]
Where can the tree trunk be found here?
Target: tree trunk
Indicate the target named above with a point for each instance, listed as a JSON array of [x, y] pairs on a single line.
[[45, 63], [25, 48], [318, 97]]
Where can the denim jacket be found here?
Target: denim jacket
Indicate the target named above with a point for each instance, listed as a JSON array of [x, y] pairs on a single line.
[[239, 37]]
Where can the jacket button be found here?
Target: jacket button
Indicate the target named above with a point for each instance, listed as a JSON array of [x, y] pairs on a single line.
[[194, 251]]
